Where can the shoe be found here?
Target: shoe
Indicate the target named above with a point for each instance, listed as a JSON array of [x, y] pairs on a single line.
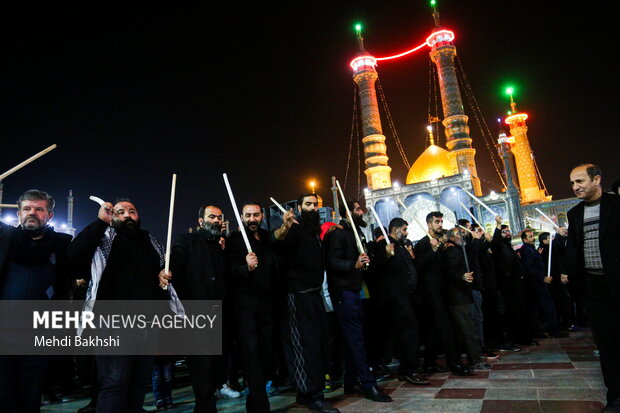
[[322, 406], [227, 393], [575, 327], [482, 366], [89, 408], [435, 368], [271, 389], [161, 404], [328, 384], [380, 372], [489, 355], [353, 389], [413, 378], [375, 394], [459, 370], [508, 347]]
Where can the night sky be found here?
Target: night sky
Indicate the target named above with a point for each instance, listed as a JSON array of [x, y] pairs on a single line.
[[132, 93]]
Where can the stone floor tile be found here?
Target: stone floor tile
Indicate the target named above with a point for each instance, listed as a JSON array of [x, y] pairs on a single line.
[[549, 406], [460, 394], [511, 394], [510, 406], [571, 394], [587, 364], [442, 406], [511, 374]]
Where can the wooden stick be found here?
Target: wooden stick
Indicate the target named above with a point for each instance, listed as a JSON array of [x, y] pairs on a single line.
[[468, 230], [237, 215], [358, 241], [417, 221], [472, 196], [170, 215], [472, 215], [556, 226], [549, 263], [276, 203], [96, 199], [8, 205], [27, 161], [385, 235], [544, 223]]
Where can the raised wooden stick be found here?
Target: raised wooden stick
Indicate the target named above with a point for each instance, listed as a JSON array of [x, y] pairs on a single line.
[[358, 241], [276, 203], [468, 230], [417, 221], [8, 205], [385, 235], [556, 226], [27, 161], [237, 215], [170, 215], [472, 196], [471, 215], [96, 199]]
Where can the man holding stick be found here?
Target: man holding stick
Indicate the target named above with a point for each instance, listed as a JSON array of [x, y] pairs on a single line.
[[593, 263], [252, 277], [33, 266], [198, 269], [344, 275], [304, 326], [131, 260], [439, 330]]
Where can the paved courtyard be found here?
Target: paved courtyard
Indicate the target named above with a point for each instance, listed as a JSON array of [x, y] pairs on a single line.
[[560, 375]]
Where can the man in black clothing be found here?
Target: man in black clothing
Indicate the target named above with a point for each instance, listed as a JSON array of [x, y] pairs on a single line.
[[398, 278], [510, 273], [537, 281], [561, 297], [33, 266], [344, 276], [198, 270], [252, 277], [593, 263], [132, 260], [304, 326], [429, 265], [459, 279]]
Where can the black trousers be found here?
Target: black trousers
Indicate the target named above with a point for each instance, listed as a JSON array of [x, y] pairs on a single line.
[[516, 315], [402, 314], [303, 340], [206, 375], [122, 382], [466, 331], [254, 322], [348, 308], [438, 328], [542, 308], [604, 317], [21, 383], [563, 304], [493, 329]]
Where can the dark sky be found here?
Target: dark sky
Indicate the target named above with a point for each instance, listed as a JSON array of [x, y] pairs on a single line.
[[132, 93]]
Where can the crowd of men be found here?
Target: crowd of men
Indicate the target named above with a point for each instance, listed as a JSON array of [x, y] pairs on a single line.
[[316, 302]]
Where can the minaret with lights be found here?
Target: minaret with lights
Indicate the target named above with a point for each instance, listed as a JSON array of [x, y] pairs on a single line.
[[529, 184], [515, 215], [458, 141], [375, 156]]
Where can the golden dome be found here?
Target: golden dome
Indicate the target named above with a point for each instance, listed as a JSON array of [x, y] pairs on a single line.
[[432, 164]]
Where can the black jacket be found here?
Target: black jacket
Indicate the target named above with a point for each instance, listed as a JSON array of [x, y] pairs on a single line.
[[198, 267], [429, 268], [506, 260], [609, 243], [397, 274], [302, 260], [132, 268], [243, 281], [459, 290], [342, 253], [57, 245], [534, 265]]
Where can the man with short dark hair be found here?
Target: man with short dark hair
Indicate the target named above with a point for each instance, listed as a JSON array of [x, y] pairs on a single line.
[[131, 260], [432, 285], [593, 263], [33, 266], [252, 277], [299, 246], [537, 281], [345, 265], [198, 271], [398, 277]]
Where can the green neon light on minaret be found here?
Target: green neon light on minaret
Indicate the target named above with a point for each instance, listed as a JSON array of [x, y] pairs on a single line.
[[510, 90], [358, 29]]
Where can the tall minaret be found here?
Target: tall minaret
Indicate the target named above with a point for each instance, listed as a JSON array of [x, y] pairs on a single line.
[[70, 230], [458, 141], [364, 74], [529, 184], [515, 216]]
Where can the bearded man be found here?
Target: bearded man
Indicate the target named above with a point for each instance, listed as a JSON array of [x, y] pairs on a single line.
[[345, 264], [198, 270], [299, 246], [131, 260], [252, 277], [33, 266]]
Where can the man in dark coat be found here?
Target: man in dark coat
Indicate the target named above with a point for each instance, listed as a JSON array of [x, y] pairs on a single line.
[[398, 278], [33, 266], [252, 278], [593, 263], [198, 272], [304, 324], [345, 264], [432, 286], [131, 260]]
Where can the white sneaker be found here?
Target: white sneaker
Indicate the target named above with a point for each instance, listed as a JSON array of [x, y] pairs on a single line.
[[227, 393]]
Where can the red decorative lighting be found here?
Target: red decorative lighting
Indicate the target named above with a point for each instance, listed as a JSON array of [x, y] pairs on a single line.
[[361, 61], [517, 117], [440, 37], [402, 54]]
